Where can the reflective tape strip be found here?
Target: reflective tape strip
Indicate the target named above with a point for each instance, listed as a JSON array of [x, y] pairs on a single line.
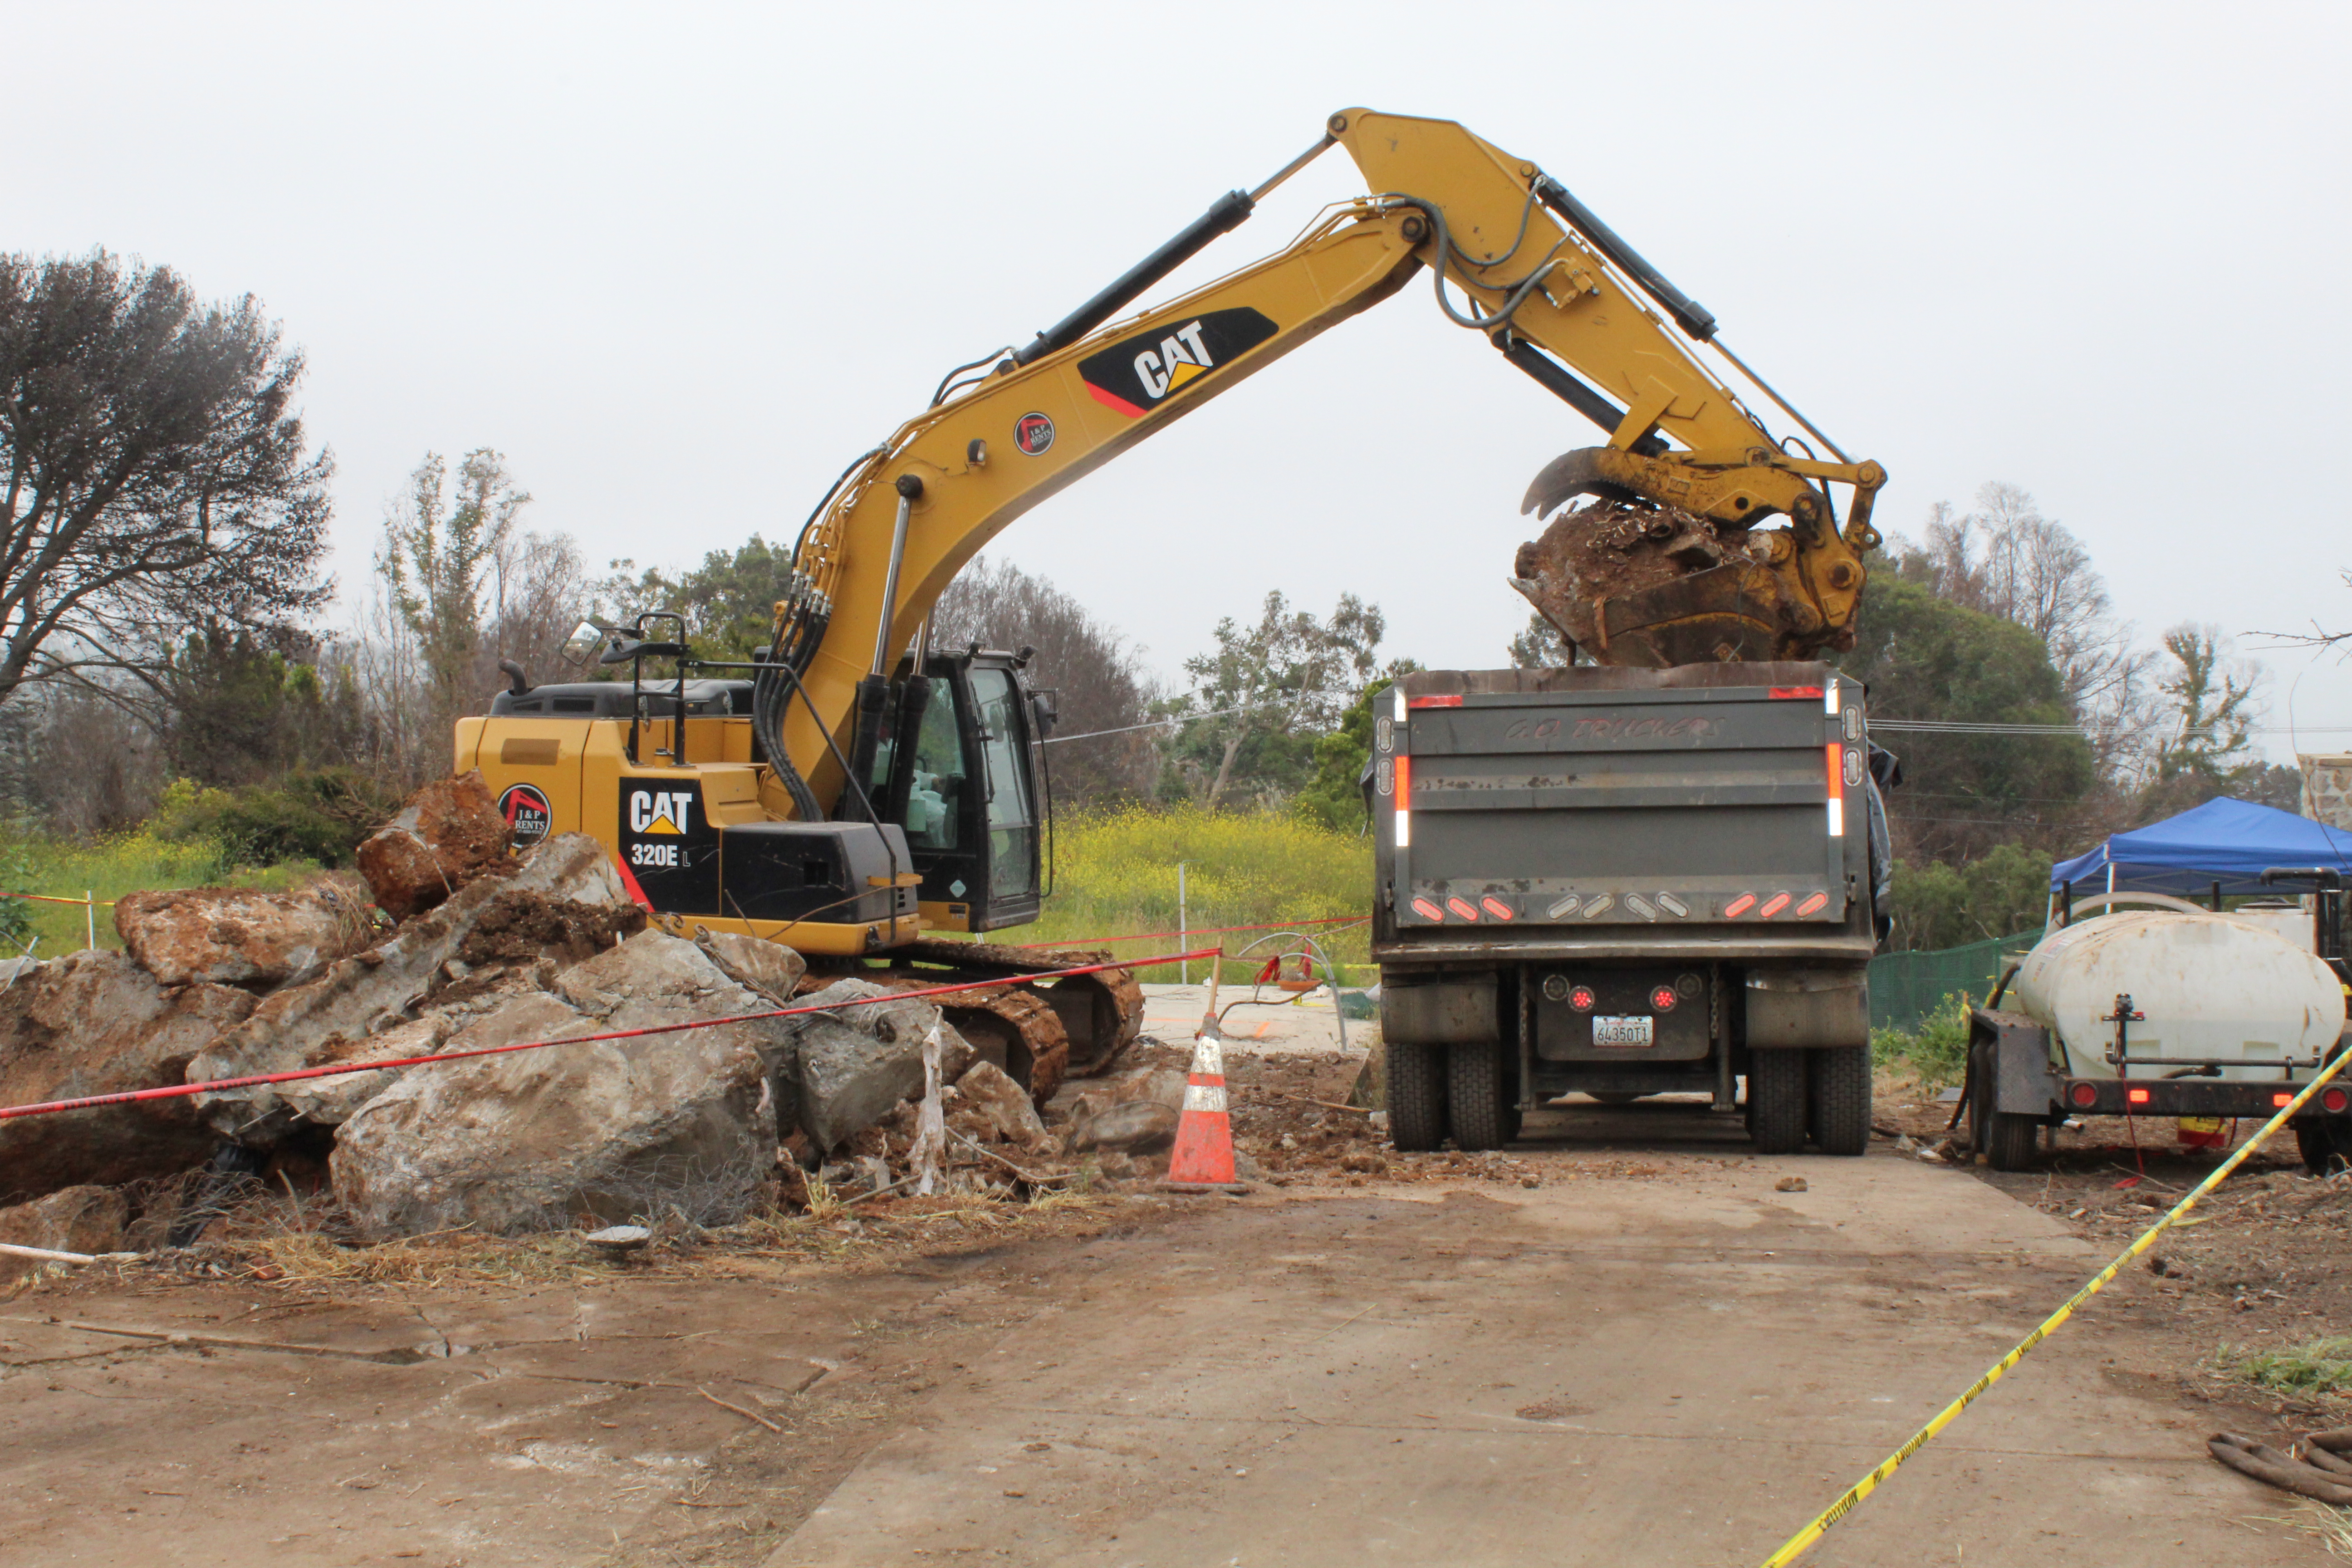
[[1208, 1057], [1404, 803], [1204, 1097]]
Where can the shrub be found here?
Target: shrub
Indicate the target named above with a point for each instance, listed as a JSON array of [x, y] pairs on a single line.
[[318, 816], [1936, 1053]]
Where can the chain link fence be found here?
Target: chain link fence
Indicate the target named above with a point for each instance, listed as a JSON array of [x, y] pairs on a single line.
[[1906, 986]]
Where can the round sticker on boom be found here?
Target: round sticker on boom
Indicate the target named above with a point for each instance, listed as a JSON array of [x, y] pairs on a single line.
[[1033, 433], [527, 812]]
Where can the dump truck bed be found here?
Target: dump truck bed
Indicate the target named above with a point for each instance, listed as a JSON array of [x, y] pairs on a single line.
[[1704, 812]]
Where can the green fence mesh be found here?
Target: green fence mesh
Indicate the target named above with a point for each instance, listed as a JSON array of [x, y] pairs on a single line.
[[1906, 986]]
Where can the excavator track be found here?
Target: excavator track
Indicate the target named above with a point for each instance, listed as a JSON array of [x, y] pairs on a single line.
[[1020, 1032], [1095, 1016]]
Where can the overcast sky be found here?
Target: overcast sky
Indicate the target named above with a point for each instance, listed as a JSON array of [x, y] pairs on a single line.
[[680, 264]]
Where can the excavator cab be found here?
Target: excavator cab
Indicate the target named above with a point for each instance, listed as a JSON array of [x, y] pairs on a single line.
[[950, 758]]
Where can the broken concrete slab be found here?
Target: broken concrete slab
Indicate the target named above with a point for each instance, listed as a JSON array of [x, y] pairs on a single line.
[[85, 1219], [855, 1065], [96, 1023], [1002, 1106], [303, 1025], [1133, 1126], [606, 1128], [445, 835], [241, 936]]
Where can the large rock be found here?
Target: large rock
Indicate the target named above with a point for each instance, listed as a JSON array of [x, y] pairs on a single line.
[[77, 1219], [769, 968], [606, 1129], [998, 1109], [239, 936], [314, 1024], [96, 1023], [445, 834], [330, 1102]]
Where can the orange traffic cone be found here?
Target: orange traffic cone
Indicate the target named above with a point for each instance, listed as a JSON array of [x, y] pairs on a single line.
[[1203, 1158]]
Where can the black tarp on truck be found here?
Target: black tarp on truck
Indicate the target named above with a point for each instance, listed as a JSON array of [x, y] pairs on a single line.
[[1626, 882]]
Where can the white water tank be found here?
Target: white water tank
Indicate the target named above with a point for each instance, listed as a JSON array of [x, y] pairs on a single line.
[[2213, 988]]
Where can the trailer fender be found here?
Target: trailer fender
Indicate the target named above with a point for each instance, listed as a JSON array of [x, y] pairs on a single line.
[[1807, 1007], [2018, 1049], [1451, 1010]]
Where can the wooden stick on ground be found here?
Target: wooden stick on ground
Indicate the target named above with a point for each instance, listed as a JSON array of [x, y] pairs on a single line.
[[747, 1414]]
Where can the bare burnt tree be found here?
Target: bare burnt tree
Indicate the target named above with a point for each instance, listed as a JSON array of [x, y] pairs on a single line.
[[1100, 680], [157, 475]]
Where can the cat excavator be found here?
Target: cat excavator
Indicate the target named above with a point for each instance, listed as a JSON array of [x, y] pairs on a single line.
[[854, 787]]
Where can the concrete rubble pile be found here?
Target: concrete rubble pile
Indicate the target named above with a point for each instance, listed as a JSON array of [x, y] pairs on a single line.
[[475, 948]]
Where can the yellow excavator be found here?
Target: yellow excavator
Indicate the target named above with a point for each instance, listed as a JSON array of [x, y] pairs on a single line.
[[856, 786]]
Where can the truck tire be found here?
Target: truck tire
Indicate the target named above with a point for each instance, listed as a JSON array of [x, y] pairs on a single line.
[[1416, 1083], [1478, 1103], [2325, 1146], [1776, 1101], [1841, 1098], [2008, 1140]]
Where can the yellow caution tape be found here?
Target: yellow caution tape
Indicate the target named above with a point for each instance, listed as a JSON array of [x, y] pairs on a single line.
[[1797, 1544]]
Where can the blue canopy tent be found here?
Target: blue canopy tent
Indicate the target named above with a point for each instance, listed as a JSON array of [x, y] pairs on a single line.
[[2232, 842]]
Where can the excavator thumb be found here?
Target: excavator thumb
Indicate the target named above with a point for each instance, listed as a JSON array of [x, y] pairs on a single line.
[[1668, 566]]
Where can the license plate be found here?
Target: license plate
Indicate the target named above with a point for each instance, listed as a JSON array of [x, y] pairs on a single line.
[[1631, 1032]]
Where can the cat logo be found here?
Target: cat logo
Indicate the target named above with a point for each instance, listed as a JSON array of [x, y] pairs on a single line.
[[1134, 376], [652, 812]]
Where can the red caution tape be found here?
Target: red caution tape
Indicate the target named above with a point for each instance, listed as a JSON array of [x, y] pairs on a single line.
[[176, 1091]]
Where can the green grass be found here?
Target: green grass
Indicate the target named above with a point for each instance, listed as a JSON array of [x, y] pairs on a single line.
[[110, 868], [2315, 1366], [1115, 875], [1936, 1053]]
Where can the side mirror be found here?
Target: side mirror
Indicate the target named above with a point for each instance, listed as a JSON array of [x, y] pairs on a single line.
[[582, 643], [1046, 705]]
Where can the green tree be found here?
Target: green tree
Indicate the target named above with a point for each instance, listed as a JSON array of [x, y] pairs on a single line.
[[2215, 704], [1268, 691], [1924, 656], [1539, 645], [438, 551], [1334, 796], [157, 476], [244, 708], [1999, 894], [728, 600]]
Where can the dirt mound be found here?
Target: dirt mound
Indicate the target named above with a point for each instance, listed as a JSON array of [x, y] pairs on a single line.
[[520, 923], [1617, 579]]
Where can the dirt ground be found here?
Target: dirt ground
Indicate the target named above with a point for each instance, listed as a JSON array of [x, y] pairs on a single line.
[[1618, 1342]]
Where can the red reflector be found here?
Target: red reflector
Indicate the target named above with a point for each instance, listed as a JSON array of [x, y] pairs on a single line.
[[1496, 908], [2136, 1096], [1812, 906], [2281, 1102], [1462, 907], [2085, 1095], [1663, 999], [2334, 1099], [1581, 998], [1427, 911], [1450, 702], [1739, 906], [1780, 692], [1773, 906]]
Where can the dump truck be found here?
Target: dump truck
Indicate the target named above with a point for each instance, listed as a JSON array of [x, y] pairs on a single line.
[[1626, 882]]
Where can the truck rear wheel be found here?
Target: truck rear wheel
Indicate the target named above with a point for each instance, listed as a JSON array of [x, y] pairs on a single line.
[[1477, 1105], [2325, 1146], [1841, 1098], [1776, 1101], [1416, 1084], [2008, 1140]]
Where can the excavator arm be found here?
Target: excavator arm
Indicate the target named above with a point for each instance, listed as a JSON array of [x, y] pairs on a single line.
[[1516, 258]]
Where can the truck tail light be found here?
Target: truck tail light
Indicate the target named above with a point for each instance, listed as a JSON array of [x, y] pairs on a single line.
[[2335, 1099], [1738, 905], [2281, 1102], [2136, 1096], [1581, 999], [1783, 693], [1837, 790], [1403, 803], [1812, 906], [1427, 909], [1496, 908], [1462, 907], [2083, 1096], [1772, 906], [1663, 999]]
